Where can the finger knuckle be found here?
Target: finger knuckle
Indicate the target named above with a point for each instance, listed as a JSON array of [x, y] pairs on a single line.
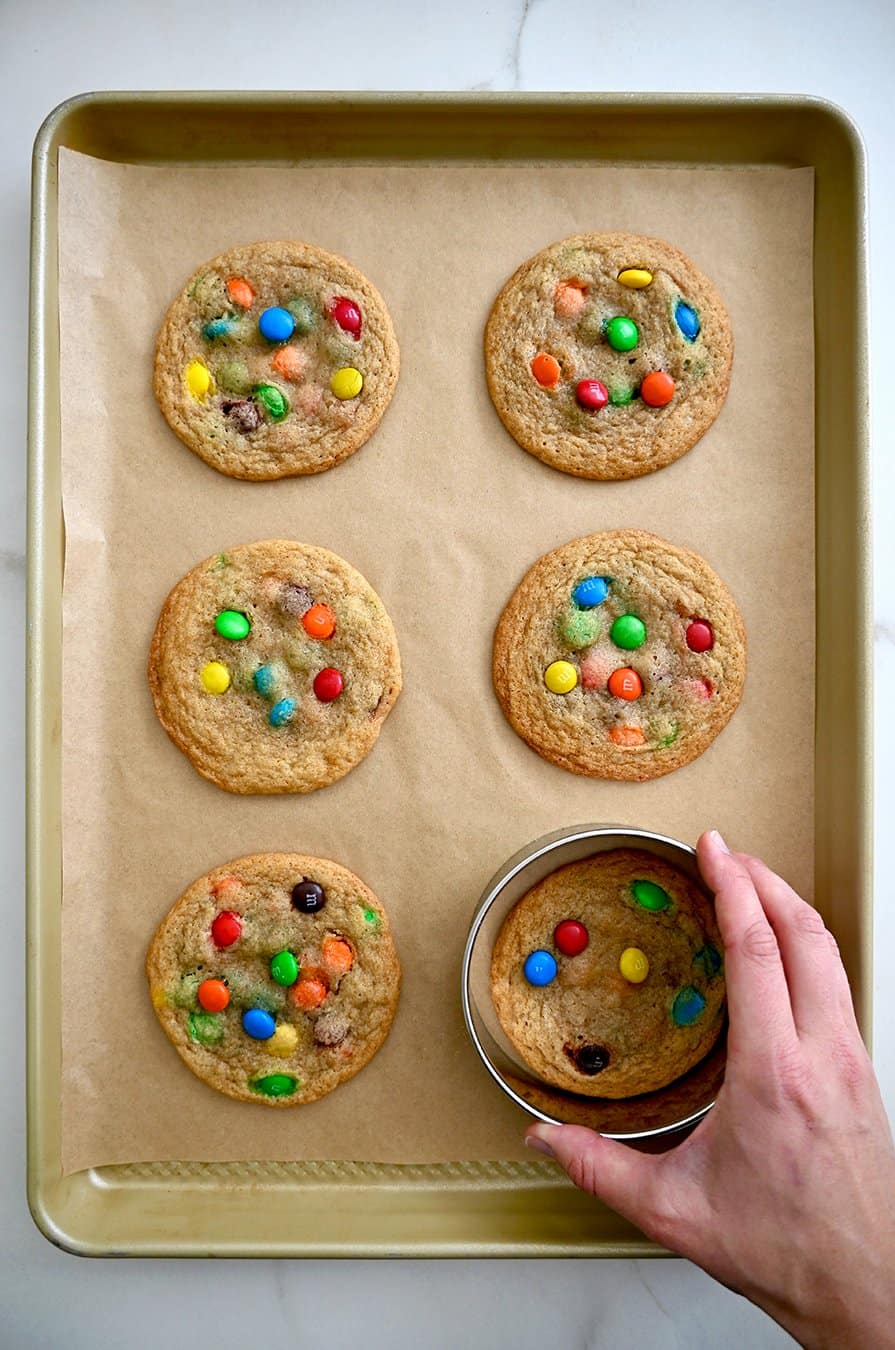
[[797, 1079], [759, 944], [853, 1066], [582, 1172], [808, 922]]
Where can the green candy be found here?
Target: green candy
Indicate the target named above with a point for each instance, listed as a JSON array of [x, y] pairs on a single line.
[[284, 968], [628, 632], [622, 334], [649, 895], [275, 1085], [671, 736], [206, 1028], [620, 398], [579, 628], [273, 400], [371, 917], [232, 625], [303, 314], [234, 377]]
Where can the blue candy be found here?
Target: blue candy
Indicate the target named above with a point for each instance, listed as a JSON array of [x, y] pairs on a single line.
[[590, 592], [688, 1005], [539, 968], [277, 325], [264, 680], [258, 1024], [687, 320], [217, 328], [282, 712]]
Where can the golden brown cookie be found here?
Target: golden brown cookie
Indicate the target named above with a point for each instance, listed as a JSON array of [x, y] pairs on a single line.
[[273, 667], [620, 655], [608, 355], [275, 977], [276, 359], [607, 976]]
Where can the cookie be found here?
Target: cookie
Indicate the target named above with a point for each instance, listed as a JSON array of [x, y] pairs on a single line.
[[276, 359], [620, 656], [608, 355], [275, 977], [608, 976], [273, 667]]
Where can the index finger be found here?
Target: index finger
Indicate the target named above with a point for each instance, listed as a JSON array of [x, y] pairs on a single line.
[[757, 993]]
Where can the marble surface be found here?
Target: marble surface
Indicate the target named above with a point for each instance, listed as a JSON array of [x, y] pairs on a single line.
[[839, 49]]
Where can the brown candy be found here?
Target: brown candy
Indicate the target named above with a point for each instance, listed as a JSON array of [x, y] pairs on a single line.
[[331, 1029], [245, 415]]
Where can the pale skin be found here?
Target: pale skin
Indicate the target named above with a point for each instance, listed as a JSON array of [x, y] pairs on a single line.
[[785, 1191]]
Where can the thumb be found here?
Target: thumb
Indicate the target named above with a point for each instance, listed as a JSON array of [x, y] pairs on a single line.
[[619, 1176]]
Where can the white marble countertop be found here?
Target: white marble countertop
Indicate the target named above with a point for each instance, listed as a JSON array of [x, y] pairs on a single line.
[[842, 50]]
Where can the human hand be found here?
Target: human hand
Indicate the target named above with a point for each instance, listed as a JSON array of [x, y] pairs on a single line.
[[785, 1191]]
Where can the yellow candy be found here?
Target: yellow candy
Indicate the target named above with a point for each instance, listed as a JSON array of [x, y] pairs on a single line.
[[561, 677], [198, 379], [215, 678], [347, 382], [283, 1041], [634, 965], [635, 278]]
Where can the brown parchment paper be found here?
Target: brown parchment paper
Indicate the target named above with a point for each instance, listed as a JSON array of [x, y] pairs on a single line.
[[443, 513]]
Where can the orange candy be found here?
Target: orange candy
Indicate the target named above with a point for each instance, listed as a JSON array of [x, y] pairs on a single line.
[[626, 736], [657, 389], [546, 370], [213, 995], [319, 621], [240, 292], [224, 884], [625, 683], [289, 362], [337, 954], [311, 990], [568, 298]]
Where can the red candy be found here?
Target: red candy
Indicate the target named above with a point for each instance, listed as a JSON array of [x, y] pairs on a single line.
[[700, 637], [570, 937], [328, 684], [226, 928], [592, 395], [347, 315]]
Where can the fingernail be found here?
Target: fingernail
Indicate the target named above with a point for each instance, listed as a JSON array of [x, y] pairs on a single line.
[[716, 838], [539, 1145]]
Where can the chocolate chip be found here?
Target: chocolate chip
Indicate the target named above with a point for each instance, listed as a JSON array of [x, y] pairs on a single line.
[[308, 897], [295, 600], [588, 1059], [245, 415]]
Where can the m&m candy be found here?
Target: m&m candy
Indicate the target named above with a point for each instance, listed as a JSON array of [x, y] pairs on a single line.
[[592, 395], [545, 369], [626, 735], [284, 1040], [569, 299], [276, 324], [284, 968], [240, 292], [539, 968], [560, 677], [700, 637], [226, 928], [198, 379], [635, 278], [589, 1059], [590, 592], [308, 896], [634, 965], [217, 328], [347, 315], [570, 937], [282, 712], [302, 312], [275, 1085], [622, 333], [688, 1005], [628, 632], [289, 362], [311, 989], [337, 954], [273, 400], [650, 896], [626, 684], [346, 383], [657, 389], [328, 684], [213, 995], [319, 621], [232, 625], [215, 677], [258, 1024], [264, 680], [687, 320]]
